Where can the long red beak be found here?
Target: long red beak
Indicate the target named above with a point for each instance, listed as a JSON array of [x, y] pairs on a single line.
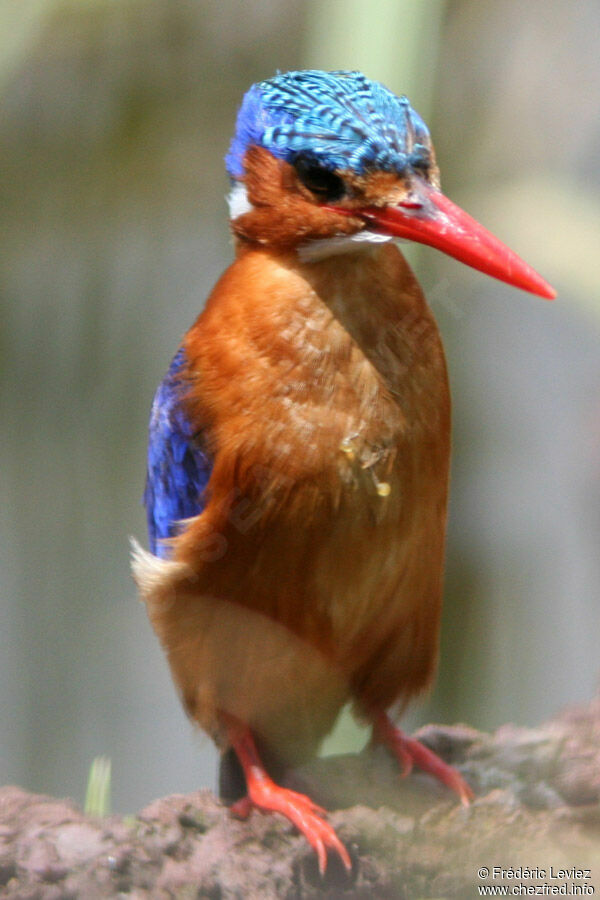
[[428, 217]]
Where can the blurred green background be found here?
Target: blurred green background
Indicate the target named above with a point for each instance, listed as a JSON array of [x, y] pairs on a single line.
[[114, 119]]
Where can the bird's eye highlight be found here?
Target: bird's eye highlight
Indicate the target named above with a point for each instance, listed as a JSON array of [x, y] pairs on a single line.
[[321, 182]]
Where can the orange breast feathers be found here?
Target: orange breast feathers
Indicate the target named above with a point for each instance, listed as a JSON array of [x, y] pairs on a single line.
[[322, 390]]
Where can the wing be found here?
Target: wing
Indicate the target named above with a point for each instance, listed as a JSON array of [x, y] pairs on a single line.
[[178, 463]]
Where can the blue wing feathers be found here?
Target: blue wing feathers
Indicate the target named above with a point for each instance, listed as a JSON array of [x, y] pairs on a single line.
[[179, 465]]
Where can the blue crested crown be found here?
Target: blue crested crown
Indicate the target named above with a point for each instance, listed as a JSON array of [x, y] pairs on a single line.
[[342, 120]]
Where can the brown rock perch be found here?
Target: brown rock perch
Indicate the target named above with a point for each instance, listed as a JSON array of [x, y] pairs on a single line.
[[538, 805]]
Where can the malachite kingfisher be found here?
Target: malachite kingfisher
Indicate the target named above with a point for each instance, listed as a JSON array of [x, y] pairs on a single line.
[[299, 444]]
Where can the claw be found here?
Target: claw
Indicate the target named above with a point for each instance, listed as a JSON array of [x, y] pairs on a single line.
[[241, 809], [409, 751], [266, 796]]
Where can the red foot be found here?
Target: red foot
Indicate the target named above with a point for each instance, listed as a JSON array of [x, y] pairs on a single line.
[[266, 796], [410, 752]]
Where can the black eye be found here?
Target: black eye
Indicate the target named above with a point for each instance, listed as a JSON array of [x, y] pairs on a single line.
[[420, 160], [321, 182]]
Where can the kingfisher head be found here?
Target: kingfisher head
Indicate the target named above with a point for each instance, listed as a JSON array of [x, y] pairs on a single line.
[[330, 161]]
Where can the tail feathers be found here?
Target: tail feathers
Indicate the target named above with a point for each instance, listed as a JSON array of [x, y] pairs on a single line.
[[153, 575], [232, 782]]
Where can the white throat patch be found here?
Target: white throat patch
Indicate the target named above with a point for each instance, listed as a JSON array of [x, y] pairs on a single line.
[[237, 200], [311, 251]]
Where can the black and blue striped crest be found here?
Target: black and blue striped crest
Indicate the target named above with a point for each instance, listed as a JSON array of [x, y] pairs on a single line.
[[343, 120]]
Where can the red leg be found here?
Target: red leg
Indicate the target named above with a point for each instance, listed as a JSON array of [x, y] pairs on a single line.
[[265, 795], [410, 752]]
